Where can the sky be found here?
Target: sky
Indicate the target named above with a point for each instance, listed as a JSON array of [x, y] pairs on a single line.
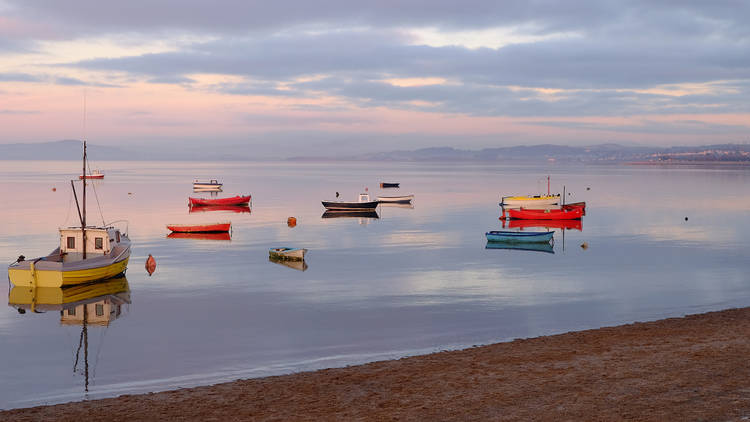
[[300, 77]]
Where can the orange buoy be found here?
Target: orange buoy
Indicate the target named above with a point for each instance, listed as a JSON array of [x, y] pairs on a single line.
[[54, 189], [150, 265], [291, 221]]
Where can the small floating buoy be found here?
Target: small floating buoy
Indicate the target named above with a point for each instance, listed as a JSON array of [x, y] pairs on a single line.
[[685, 218], [588, 188], [585, 245], [54, 189], [291, 221], [150, 265]]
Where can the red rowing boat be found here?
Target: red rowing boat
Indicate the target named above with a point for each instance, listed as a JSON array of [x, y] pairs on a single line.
[[235, 200], [200, 228], [562, 214]]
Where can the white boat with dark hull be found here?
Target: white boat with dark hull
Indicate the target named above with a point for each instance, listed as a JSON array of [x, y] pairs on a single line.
[[403, 199], [364, 204], [211, 185]]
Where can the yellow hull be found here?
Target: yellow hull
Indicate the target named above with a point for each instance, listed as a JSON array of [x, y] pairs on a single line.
[[531, 198], [47, 278]]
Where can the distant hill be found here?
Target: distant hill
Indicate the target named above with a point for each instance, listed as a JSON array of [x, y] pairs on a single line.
[[59, 150], [602, 153]]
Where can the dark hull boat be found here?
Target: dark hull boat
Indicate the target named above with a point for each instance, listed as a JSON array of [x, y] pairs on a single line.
[[350, 206], [389, 185]]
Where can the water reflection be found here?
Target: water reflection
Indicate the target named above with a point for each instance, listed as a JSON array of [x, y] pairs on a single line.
[[535, 247], [96, 304], [350, 214], [226, 208], [297, 265], [201, 236], [550, 224]]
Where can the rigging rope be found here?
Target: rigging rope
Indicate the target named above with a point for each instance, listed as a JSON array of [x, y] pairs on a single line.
[[93, 186]]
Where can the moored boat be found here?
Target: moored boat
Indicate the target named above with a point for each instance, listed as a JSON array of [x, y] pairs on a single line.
[[364, 204], [283, 253], [212, 184], [222, 227], [518, 237], [95, 174], [560, 214], [403, 199], [86, 254], [234, 200], [389, 185]]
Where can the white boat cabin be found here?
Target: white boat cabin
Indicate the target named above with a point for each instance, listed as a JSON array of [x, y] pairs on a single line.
[[364, 197], [99, 240]]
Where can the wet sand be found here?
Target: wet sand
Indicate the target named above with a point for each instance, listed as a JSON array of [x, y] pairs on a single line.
[[692, 368]]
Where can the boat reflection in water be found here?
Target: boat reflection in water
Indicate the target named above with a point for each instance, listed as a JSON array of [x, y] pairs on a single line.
[[397, 205], [363, 216], [353, 214], [550, 224], [536, 247], [201, 236], [95, 304], [297, 265], [228, 208]]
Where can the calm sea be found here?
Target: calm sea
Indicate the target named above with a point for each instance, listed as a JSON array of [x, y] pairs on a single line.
[[661, 242]]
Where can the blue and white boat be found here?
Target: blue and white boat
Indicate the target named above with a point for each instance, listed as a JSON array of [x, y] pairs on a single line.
[[519, 237]]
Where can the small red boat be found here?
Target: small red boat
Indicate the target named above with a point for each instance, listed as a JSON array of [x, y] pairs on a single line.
[[562, 214], [96, 174], [200, 228], [550, 224], [235, 200]]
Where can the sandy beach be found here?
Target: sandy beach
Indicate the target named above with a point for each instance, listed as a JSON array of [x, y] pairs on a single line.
[[692, 368]]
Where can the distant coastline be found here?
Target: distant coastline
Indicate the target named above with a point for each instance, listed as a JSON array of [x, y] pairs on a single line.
[[724, 154]]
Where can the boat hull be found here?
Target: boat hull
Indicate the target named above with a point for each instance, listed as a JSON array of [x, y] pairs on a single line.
[[60, 274], [350, 206], [527, 201], [88, 176], [200, 236], [519, 237], [200, 228], [389, 185], [292, 254], [235, 200], [526, 214]]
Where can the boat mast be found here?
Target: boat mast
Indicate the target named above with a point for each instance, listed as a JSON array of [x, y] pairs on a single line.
[[547, 187], [83, 219]]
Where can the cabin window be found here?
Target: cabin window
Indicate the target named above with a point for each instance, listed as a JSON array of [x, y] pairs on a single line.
[[72, 312], [98, 243], [118, 236], [99, 309], [71, 242]]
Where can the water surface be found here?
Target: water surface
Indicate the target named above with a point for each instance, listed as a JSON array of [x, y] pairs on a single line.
[[409, 282]]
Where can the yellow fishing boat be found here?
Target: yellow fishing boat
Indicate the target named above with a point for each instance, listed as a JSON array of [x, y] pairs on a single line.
[[86, 254], [531, 201]]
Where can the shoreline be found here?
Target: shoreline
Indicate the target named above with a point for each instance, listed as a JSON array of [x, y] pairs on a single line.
[[690, 368]]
